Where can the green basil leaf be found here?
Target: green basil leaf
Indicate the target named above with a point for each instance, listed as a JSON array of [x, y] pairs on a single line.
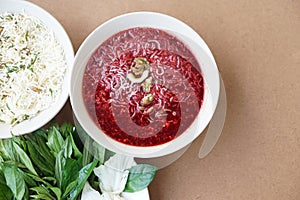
[[42, 133], [24, 158], [51, 126], [14, 163], [13, 156], [83, 175], [55, 140], [68, 149], [69, 188], [2, 178], [38, 179], [28, 180], [57, 192], [77, 152], [1, 160], [66, 129], [41, 197], [59, 166], [3, 152], [39, 190], [94, 181], [42, 190], [69, 172], [50, 178], [15, 181], [26, 195], [39, 161], [20, 140], [39, 143], [95, 184], [5, 193], [140, 176]]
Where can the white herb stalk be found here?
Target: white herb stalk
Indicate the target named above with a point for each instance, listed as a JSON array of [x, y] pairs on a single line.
[[113, 176]]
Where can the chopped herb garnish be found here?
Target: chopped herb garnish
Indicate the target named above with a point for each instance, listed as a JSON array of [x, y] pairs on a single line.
[[13, 120], [30, 67], [38, 26], [51, 91], [11, 69], [9, 17], [26, 36], [32, 61], [9, 109], [22, 66], [25, 117]]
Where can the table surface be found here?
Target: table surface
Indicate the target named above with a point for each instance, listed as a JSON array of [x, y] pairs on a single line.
[[256, 45]]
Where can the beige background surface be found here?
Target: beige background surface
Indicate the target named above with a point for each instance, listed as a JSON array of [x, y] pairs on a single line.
[[257, 48]]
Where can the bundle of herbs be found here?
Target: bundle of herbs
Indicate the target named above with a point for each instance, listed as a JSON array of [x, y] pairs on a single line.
[[52, 164]]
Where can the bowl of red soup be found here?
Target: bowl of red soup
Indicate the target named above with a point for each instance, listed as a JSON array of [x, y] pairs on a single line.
[[144, 84]]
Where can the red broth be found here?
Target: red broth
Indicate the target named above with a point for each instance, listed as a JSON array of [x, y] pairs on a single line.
[[143, 87]]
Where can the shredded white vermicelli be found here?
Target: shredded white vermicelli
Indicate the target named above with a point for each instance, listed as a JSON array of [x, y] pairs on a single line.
[[32, 67]]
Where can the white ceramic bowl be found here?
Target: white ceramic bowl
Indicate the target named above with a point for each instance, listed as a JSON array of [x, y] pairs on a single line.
[[184, 33], [27, 126]]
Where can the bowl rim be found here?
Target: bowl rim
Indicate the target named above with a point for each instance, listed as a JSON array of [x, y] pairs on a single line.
[[45, 116], [87, 48]]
